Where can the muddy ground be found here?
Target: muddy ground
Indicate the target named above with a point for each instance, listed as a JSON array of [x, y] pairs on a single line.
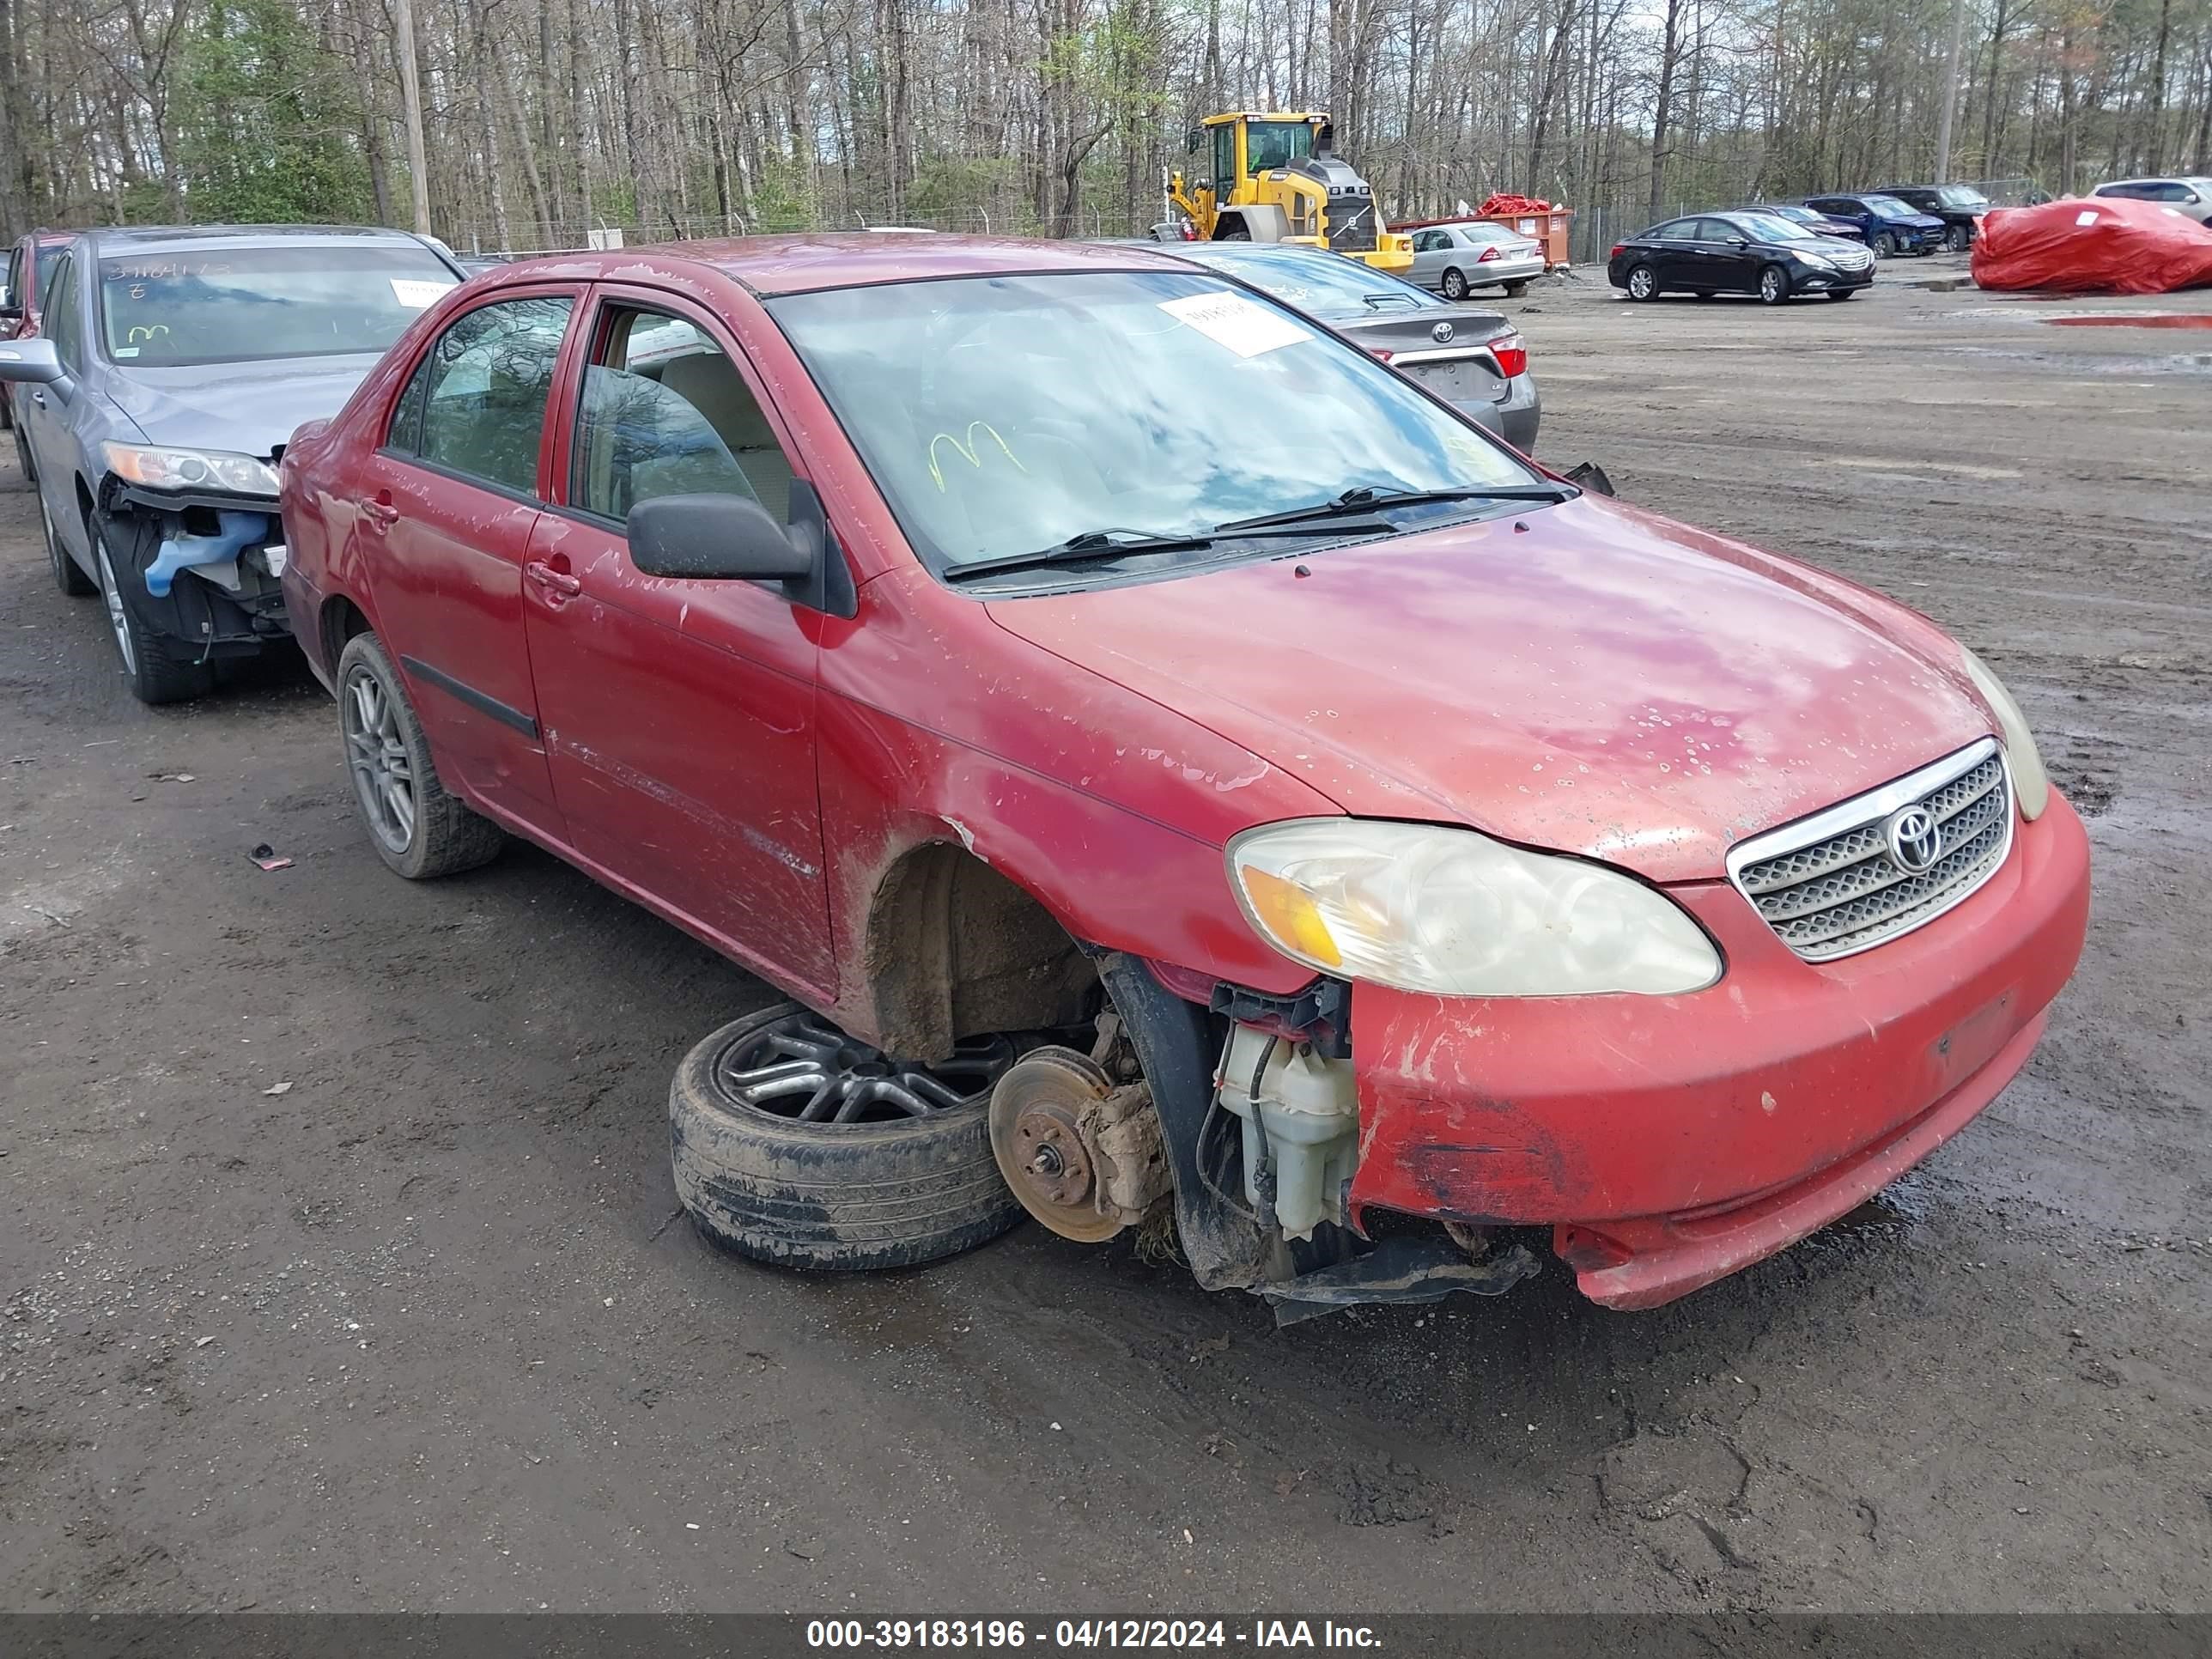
[[424, 1330]]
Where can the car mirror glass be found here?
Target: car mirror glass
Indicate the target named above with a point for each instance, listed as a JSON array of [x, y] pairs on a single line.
[[710, 537]]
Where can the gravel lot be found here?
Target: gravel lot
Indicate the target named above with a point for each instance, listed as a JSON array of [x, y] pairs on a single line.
[[423, 1329]]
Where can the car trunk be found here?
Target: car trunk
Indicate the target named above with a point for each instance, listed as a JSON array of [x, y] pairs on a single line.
[[1446, 349]]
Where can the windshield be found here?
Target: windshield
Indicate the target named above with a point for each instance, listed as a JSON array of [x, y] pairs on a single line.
[[1773, 227], [235, 305], [1961, 196], [1320, 285], [1890, 207], [1004, 415], [1270, 144]]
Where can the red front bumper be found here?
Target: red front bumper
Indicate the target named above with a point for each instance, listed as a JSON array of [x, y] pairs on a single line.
[[1670, 1141]]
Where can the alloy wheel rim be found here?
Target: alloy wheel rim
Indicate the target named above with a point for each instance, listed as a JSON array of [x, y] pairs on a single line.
[[802, 1069], [111, 595], [1455, 286], [376, 752], [1770, 285], [1640, 284]]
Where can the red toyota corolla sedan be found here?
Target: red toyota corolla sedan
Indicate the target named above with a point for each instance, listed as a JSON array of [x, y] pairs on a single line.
[[1173, 765]]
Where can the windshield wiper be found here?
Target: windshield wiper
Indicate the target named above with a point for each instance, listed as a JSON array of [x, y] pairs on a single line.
[[1082, 549], [1365, 498]]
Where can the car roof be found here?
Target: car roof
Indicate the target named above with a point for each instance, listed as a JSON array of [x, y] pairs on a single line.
[[799, 264], [192, 238]]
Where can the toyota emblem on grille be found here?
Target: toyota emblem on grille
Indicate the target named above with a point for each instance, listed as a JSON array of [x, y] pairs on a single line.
[[1914, 838], [1440, 333]]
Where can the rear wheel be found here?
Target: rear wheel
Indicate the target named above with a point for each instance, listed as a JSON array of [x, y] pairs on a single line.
[[417, 828], [795, 1144], [1773, 286], [1515, 290], [1956, 238], [1642, 282], [1453, 283], [67, 576]]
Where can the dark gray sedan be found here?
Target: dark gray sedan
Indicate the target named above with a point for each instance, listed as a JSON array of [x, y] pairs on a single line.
[[170, 368], [1470, 357]]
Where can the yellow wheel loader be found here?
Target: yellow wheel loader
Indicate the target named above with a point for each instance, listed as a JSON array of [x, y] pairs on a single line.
[[1276, 178]]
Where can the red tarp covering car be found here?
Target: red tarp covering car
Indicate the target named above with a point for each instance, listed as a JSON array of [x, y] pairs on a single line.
[[2107, 244]]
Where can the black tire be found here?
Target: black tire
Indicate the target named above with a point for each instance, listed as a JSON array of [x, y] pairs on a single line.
[[159, 668], [440, 836], [1955, 239], [69, 575], [1239, 234], [1773, 285], [1842, 293], [1884, 245], [1453, 283], [841, 1197], [1515, 290], [1643, 277]]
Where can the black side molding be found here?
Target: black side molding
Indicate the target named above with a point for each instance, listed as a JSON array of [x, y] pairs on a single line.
[[526, 724]]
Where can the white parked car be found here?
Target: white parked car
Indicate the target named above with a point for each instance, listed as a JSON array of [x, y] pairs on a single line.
[[2185, 195], [1455, 258]]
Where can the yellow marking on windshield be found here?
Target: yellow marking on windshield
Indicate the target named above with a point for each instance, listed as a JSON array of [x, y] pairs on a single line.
[[967, 451], [147, 331]]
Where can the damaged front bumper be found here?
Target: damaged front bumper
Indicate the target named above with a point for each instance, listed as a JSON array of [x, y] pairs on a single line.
[[231, 546], [1670, 1141]]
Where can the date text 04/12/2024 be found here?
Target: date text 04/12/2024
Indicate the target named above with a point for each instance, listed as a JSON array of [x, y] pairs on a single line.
[[1086, 1633]]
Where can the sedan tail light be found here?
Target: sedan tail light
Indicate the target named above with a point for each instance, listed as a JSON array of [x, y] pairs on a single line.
[[1486, 255], [1383, 353], [1618, 248], [1512, 354]]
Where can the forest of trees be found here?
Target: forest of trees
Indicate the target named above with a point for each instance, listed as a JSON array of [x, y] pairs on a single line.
[[544, 119]]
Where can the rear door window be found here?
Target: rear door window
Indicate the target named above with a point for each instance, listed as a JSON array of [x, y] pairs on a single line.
[[476, 406]]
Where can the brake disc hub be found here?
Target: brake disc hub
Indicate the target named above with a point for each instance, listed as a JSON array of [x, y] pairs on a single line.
[[1083, 1157]]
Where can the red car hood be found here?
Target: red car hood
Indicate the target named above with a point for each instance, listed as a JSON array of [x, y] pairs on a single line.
[[1601, 681]]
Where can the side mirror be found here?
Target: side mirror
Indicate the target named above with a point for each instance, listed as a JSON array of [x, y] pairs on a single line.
[[1739, 241], [709, 536], [30, 362], [732, 537]]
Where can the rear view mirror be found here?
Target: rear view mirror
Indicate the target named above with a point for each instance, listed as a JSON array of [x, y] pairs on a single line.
[[707, 537], [30, 362]]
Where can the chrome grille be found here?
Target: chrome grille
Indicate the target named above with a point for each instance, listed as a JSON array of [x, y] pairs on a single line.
[[1830, 885]]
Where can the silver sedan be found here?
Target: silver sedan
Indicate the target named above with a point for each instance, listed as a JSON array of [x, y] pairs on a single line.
[[1454, 259]]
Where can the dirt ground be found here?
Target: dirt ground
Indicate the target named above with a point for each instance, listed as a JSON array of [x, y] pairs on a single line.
[[424, 1330]]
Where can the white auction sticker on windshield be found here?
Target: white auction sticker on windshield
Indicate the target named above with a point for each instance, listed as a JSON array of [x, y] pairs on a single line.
[[1231, 320], [416, 296]]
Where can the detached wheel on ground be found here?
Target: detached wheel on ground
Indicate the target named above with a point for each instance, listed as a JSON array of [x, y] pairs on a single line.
[[161, 669], [1453, 283], [415, 826], [795, 1144], [1773, 286], [68, 576], [1642, 282]]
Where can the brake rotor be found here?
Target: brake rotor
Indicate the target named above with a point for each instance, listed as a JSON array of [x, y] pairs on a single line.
[[1037, 1112]]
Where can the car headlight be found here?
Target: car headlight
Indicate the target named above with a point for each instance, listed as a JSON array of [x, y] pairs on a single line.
[[1813, 256], [191, 468], [2030, 784], [1449, 911]]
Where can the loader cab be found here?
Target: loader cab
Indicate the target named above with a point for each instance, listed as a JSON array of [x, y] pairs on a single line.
[[1240, 147]]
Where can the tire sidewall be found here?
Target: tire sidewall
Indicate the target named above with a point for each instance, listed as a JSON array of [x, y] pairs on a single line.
[[364, 654], [824, 1196], [1651, 277], [1773, 285], [1453, 285]]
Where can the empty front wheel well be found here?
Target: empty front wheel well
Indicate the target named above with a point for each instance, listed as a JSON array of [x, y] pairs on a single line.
[[954, 949]]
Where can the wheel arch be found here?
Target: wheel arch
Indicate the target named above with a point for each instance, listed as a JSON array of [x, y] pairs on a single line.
[[338, 621], [953, 947]]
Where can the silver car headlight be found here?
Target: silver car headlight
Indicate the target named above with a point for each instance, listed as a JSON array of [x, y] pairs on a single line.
[[1449, 911], [2030, 784], [191, 468]]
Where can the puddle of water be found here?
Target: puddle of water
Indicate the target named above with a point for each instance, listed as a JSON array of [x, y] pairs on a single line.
[[2151, 320]]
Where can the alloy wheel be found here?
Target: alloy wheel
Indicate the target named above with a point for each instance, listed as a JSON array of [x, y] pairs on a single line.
[[1643, 283], [1454, 285], [111, 594], [1771, 286], [376, 752], [802, 1068]]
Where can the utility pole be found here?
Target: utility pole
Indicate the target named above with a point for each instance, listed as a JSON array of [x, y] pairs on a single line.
[[410, 103], [1950, 91]]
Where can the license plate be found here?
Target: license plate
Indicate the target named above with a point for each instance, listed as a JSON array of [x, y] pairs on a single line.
[[1465, 381]]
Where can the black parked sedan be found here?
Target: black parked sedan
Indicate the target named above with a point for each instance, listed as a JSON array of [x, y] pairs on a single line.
[[1761, 253]]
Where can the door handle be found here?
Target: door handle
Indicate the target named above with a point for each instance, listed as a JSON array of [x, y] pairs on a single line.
[[554, 581], [40, 398], [380, 512]]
